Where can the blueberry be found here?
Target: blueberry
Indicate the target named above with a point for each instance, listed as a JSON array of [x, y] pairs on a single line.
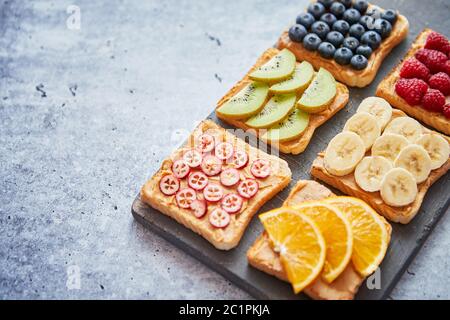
[[372, 39], [374, 13], [351, 16], [358, 62], [343, 56], [350, 43], [326, 3], [316, 9], [364, 50], [326, 50], [341, 26], [297, 32], [346, 3], [367, 22], [328, 18], [311, 41], [320, 28], [383, 27], [337, 9], [356, 30], [305, 19], [335, 38], [390, 15], [361, 6]]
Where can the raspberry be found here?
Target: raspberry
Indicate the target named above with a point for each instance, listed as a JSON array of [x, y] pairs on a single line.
[[446, 111], [437, 41], [446, 67], [441, 82], [412, 90], [433, 100], [413, 68], [434, 60]]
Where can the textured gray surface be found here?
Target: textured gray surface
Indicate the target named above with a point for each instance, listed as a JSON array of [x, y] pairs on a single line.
[[85, 118]]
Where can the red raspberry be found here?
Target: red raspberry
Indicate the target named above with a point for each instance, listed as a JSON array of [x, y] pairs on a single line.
[[446, 67], [413, 68], [437, 41], [434, 60], [412, 90], [441, 82], [446, 111], [433, 100]]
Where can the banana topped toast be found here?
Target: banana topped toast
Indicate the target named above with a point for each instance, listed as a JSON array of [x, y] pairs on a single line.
[[385, 158], [344, 285], [349, 39], [420, 84], [215, 183], [283, 101]]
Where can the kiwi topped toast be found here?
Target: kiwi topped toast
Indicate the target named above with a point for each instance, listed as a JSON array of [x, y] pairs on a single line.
[[284, 112]]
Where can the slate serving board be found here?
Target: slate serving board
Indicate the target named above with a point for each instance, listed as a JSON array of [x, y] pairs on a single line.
[[406, 239]]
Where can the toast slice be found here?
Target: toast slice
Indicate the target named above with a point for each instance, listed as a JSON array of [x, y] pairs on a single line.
[[262, 257], [347, 185], [386, 90], [345, 74], [297, 145], [228, 237]]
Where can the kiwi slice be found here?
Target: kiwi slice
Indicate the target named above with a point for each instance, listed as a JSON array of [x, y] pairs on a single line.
[[246, 102], [319, 94], [288, 129], [299, 80], [278, 107], [279, 68]]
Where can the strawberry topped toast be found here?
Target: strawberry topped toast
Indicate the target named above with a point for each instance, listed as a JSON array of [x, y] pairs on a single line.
[[215, 183]]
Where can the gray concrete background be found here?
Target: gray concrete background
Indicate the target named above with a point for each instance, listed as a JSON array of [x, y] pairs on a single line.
[[87, 116]]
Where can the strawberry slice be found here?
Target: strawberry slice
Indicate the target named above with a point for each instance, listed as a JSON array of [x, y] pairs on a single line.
[[231, 203], [224, 150], [197, 180], [169, 185], [185, 197], [219, 218], [211, 165], [213, 192], [193, 158], [206, 143], [248, 188], [260, 168], [180, 169], [239, 159], [199, 208], [229, 177]]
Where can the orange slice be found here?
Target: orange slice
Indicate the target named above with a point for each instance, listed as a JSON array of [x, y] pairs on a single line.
[[370, 233], [337, 232], [299, 242]]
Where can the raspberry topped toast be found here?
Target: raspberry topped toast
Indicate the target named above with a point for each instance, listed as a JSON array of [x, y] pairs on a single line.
[[420, 84], [215, 183]]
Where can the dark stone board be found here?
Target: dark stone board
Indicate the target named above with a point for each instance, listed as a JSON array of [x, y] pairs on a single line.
[[406, 239]]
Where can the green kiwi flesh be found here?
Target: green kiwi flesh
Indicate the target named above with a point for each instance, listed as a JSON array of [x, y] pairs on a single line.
[[319, 93], [298, 82], [278, 107], [290, 128], [279, 68]]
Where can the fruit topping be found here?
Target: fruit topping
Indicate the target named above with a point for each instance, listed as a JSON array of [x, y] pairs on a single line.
[[398, 187], [197, 180], [231, 203], [367, 22], [379, 108], [343, 55], [319, 94], [248, 188], [343, 153], [224, 150], [370, 172], [364, 50], [206, 143], [351, 16], [361, 6], [383, 28], [358, 62], [301, 78], [213, 192], [316, 9], [416, 160], [437, 147], [341, 26], [185, 197], [390, 15], [335, 38], [219, 218], [193, 158], [211, 165], [413, 68], [389, 146], [261, 168], [326, 3], [280, 67], [169, 185], [405, 126], [433, 59], [337, 9], [441, 82], [229, 177], [372, 39], [278, 107], [437, 41], [199, 208], [412, 90], [346, 3], [180, 169], [290, 128], [297, 32], [305, 19], [311, 41], [357, 30], [446, 111], [320, 28], [326, 50], [329, 19], [365, 126], [350, 43], [239, 159], [433, 100]]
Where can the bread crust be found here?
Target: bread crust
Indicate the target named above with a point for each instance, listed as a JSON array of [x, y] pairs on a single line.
[[386, 90], [348, 185], [345, 74], [227, 238], [299, 144]]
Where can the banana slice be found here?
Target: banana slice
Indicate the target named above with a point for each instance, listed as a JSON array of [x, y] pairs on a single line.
[[398, 187], [405, 126], [389, 146], [343, 153], [416, 160], [437, 147], [370, 172], [364, 125], [379, 108]]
